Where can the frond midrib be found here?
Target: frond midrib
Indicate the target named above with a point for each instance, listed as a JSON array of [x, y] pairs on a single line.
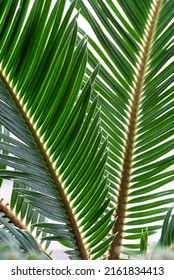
[[4, 209], [14, 220], [130, 138], [67, 207]]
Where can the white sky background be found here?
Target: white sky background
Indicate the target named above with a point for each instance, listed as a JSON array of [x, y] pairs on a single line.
[[5, 191]]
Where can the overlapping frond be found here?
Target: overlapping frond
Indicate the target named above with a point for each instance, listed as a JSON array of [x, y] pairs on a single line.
[[27, 214], [18, 204], [57, 149], [17, 244], [133, 42]]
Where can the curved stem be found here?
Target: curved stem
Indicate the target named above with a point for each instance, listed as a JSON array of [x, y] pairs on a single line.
[[67, 207], [9, 214], [114, 251], [14, 219]]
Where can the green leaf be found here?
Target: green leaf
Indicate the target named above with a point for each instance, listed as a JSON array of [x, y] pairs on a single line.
[[167, 236]]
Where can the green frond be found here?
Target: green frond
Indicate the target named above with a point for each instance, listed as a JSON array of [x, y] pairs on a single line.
[[27, 214], [164, 247], [132, 40], [56, 150], [90, 147], [167, 236], [18, 244]]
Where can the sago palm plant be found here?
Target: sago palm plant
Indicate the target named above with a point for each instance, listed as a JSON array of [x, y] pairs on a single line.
[[86, 126]]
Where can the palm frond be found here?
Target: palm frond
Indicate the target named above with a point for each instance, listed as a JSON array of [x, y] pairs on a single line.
[[164, 247], [133, 42], [18, 204], [27, 214], [58, 150], [167, 233], [17, 244]]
